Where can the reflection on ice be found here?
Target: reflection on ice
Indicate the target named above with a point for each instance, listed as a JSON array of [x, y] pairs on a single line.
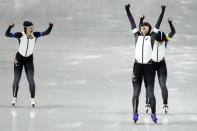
[[71, 125]]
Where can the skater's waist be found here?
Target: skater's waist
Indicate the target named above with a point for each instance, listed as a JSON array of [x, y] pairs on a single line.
[[19, 55], [149, 62], [159, 60]]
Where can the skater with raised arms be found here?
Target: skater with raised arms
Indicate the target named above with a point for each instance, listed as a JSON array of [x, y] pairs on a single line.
[[143, 68], [24, 56]]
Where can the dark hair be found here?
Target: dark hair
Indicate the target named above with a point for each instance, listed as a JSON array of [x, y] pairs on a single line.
[[27, 23], [25, 30]]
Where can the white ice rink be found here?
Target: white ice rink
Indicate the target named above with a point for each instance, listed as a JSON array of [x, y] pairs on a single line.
[[83, 68]]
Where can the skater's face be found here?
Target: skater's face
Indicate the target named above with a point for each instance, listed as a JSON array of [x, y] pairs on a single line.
[[145, 29], [30, 30]]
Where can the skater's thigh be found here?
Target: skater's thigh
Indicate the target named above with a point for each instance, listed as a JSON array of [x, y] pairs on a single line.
[[162, 75], [149, 74], [29, 68], [162, 71], [137, 79], [137, 75], [18, 67]]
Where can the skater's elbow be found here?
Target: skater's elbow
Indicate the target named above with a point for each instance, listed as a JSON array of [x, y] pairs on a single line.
[[7, 34]]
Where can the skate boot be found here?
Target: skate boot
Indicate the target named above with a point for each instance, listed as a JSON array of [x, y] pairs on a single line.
[[33, 102], [14, 101], [135, 118], [154, 118], [147, 108], [165, 108]]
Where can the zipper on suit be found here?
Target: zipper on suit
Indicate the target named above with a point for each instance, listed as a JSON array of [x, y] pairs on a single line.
[[143, 50], [27, 46], [157, 52]]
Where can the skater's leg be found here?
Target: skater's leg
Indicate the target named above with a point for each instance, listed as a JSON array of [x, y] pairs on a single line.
[[149, 76], [147, 98], [137, 82], [147, 106], [18, 67], [162, 76], [29, 69]]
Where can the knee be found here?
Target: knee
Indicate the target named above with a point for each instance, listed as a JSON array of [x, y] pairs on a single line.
[[17, 78], [151, 94], [163, 85], [30, 79], [162, 82], [136, 94], [152, 98], [16, 83]]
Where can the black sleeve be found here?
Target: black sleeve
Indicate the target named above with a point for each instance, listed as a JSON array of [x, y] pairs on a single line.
[[171, 34], [160, 18], [155, 31], [153, 36], [13, 35], [133, 25], [141, 21], [39, 34]]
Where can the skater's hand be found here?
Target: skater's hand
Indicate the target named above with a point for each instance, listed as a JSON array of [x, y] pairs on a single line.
[[159, 42], [11, 24], [142, 16], [127, 5], [163, 6], [51, 23], [169, 19]]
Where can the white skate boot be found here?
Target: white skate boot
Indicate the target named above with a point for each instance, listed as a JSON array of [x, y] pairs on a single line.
[[14, 101], [165, 108], [147, 108], [33, 102]]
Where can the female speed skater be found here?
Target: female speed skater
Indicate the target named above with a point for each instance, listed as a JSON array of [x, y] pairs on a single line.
[[159, 64], [24, 56], [143, 68]]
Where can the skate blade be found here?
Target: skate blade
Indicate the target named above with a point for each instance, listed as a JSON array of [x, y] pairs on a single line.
[[135, 121]]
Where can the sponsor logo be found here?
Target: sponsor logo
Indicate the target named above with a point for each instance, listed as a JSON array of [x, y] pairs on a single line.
[[133, 77], [16, 62]]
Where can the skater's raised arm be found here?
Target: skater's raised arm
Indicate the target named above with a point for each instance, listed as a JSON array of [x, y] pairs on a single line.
[[132, 21], [173, 31], [46, 32], [141, 20], [12, 35], [133, 25], [157, 26]]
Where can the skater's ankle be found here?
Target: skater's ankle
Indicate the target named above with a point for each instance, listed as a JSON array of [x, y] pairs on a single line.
[[165, 105]]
